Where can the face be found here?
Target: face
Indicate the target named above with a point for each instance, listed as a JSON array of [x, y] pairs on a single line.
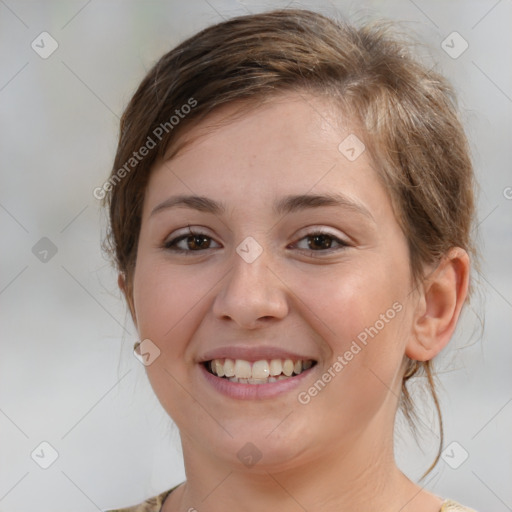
[[292, 262]]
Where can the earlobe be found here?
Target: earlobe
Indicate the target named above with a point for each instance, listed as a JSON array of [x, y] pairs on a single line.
[[121, 281], [439, 307]]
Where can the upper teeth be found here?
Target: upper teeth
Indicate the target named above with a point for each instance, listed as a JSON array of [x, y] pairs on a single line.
[[263, 369]]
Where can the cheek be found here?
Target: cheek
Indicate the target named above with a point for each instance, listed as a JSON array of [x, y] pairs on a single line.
[[167, 302], [162, 300], [364, 321], [356, 303], [170, 302]]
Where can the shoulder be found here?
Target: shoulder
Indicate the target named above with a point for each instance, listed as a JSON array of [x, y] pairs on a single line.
[[452, 506], [153, 504]]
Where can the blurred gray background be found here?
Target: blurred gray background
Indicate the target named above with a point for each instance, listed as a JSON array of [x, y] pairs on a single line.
[[67, 373]]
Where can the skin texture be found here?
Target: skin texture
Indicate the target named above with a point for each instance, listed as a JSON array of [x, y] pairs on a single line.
[[335, 452]]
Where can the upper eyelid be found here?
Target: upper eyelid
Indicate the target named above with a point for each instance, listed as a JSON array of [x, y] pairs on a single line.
[[189, 231], [315, 228]]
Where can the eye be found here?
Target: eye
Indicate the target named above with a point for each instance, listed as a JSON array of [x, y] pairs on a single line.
[[193, 241], [196, 241], [322, 241]]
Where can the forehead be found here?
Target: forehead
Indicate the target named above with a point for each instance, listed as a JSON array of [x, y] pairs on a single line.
[[295, 143], [296, 117]]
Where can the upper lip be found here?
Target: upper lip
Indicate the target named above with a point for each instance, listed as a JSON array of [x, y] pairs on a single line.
[[252, 354]]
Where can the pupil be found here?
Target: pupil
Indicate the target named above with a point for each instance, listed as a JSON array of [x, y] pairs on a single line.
[[197, 241], [319, 238]]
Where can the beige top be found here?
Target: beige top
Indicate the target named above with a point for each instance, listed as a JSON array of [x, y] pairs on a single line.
[[155, 505]]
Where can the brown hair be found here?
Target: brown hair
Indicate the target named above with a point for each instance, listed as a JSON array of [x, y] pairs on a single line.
[[406, 112]]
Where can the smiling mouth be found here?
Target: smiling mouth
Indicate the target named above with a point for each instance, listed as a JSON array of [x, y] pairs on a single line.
[[258, 372]]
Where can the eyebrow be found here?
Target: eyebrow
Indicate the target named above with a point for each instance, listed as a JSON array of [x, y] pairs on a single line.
[[285, 205]]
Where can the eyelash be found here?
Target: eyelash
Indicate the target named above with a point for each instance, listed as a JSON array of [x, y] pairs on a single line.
[[170, 243]]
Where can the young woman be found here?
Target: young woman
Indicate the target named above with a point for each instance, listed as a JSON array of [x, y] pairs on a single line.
[[291, 205]]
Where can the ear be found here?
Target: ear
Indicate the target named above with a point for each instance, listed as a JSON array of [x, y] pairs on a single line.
[[128, 295], [439, 306]]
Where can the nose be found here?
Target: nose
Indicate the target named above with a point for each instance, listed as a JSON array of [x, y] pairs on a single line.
[[252, 293]]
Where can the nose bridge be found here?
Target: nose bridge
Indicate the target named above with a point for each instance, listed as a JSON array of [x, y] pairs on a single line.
[[251, 290]]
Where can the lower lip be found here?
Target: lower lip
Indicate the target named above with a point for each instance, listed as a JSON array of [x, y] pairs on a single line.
[[253, 391]]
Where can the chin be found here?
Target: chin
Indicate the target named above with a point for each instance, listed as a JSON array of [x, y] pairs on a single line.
[[267, 446]]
